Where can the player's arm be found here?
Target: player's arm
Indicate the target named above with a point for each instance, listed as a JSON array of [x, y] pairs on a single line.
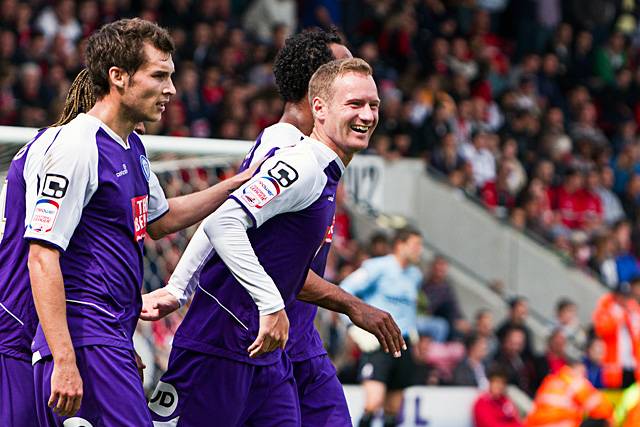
[[49, 298], [184, 211], [67, 179], [378, 322], [227, 232]]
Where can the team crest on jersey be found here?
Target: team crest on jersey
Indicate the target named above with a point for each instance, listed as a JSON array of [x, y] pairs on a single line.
[[260, 191], [44, 216], [140, 210], [146, 167]]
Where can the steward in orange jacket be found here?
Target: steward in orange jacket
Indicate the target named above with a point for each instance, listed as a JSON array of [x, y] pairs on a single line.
[[565, 398], [615, 312]]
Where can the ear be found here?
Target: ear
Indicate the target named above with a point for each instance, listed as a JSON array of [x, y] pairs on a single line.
[[318, 107], [118, 77]]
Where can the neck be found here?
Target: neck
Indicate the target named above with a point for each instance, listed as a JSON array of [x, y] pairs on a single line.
[[319, 134], [111, 115], [298, 115], [401, 260]]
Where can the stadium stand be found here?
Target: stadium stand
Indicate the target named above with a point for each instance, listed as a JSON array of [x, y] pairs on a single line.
[[530, 108]]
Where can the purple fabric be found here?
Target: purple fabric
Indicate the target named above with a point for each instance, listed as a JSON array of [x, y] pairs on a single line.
[[18, 318], [113, 394], [198, 387], [304, 340], [103, 264], [322, 400], [17, 400], [285, 246]]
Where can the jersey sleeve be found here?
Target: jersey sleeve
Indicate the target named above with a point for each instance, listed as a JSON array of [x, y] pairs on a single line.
[[287, 182], [66, 181], [158, 203]]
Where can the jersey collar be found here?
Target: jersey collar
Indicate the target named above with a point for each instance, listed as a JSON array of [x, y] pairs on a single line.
[[109, 131]]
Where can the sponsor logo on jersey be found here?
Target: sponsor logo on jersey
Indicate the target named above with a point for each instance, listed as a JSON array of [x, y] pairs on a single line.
[[328, 237], [140, 209], [76, 422], [44, 216], [124, 171], [260, 191], [164, 400], [146, 167]]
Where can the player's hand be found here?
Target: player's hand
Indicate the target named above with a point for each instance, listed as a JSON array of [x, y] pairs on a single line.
[[158, 304], [273, 334], [140, 365], [66, 388], [381, 324], [242, 177]]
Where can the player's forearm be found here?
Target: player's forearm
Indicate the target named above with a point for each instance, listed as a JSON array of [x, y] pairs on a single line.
[[227, 232], [49, 297], [182, 284], [325, 294], [185, 211]]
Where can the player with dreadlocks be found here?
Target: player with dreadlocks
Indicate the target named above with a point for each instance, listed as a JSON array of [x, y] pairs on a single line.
[[18, 318], [25, 183]]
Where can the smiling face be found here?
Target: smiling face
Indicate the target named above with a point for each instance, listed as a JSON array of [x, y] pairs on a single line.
[[149, 89], [346, 120]]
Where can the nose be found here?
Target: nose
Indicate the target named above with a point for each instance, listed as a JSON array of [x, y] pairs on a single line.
[[170, 89], [368, 115]]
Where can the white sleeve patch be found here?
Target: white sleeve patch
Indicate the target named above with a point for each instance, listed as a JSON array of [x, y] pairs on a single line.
[[260, 191], [44, 216], [287, 182]]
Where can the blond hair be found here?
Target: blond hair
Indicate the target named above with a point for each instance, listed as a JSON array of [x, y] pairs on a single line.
[[322, 80]]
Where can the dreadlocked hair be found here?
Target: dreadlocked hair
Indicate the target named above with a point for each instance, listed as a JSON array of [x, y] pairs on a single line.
[[80, 98]]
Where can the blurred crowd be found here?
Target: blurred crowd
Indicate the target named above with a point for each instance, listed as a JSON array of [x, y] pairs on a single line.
[[532, 106]]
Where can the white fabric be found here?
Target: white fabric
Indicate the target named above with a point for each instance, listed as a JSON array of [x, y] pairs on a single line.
[[158, 203], [625, 347], [71, 151], [225, 229], [74, 156], [186, 276], [227, 232]]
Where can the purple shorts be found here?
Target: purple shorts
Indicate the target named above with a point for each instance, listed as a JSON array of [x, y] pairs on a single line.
[[17, 398], [322, 401], [204, 390], [112, 391]]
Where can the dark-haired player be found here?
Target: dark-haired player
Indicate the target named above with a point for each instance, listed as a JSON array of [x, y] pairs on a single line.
[[322, 400], [90, 198]]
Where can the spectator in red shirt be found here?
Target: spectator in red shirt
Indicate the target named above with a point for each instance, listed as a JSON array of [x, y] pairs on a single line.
[[496, 195], [590, 206], [567, 201], [493, 408]]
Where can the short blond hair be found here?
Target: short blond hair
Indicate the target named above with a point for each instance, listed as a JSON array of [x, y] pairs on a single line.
[[322, 80]]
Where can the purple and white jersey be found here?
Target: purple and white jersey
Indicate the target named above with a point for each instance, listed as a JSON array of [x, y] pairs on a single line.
[[18, 318], [94, 196], [291, 203], [304, 340]]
